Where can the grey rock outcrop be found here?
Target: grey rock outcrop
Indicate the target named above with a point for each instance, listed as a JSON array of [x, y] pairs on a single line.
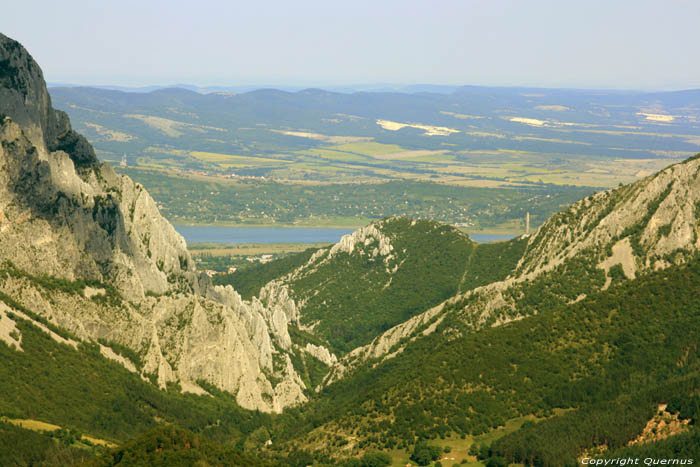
[[24, 97], [65, 215]]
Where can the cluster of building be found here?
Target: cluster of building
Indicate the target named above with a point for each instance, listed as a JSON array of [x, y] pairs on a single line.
[[252, 259], [211, 272]]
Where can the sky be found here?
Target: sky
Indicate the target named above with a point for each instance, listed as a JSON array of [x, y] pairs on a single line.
[[614, 44]]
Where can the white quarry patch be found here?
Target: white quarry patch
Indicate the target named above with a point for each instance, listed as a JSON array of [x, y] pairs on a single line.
[[112, 355], [528, 121], [429, 129], [9, 333], [657, 117], [326, 138]]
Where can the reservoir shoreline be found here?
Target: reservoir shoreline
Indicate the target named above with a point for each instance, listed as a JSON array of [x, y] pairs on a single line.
[[277, 235]]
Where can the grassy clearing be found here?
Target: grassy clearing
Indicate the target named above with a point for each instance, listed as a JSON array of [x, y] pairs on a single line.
[[459, 448], [36, 425], [436, 157]]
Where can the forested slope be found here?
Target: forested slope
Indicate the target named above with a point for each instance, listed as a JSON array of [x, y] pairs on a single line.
[[610, 359]]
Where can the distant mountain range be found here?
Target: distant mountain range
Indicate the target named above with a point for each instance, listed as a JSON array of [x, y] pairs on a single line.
[[348, 89], [380, 87], [507, 135]]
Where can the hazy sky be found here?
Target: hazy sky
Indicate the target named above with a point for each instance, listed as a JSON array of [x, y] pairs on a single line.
[[557, 43]]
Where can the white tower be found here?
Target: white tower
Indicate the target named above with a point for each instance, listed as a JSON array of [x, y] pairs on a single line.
[[527, 223]]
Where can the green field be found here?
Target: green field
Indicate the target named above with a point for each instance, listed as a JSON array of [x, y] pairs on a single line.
[[370, 148]]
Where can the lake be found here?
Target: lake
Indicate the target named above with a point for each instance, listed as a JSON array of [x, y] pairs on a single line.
[[233, 235]]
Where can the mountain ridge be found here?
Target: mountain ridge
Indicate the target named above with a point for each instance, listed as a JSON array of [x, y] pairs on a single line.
[[644, 226]]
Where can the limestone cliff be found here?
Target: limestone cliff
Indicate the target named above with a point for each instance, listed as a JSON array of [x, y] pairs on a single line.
[[87, 249], [23, 95]]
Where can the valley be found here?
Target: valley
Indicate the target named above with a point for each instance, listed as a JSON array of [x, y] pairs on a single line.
[[402, 341]]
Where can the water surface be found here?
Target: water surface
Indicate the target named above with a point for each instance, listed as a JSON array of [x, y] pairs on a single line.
[[224, 234], [233, 235]]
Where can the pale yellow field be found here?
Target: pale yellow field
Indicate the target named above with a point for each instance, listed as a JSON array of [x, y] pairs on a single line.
[[462, 116], [485, 134], [36, 425], [657, 117], [549, 140], [555, 108], [438, 157], [321, 137], [410, 155], [527, 121]]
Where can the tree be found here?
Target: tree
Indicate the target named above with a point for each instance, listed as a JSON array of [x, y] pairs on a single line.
[[424, 453]]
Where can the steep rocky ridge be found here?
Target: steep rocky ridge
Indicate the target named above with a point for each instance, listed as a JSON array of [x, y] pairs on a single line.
[[23, 95], [375, 278], [603, 239], [87, 250]]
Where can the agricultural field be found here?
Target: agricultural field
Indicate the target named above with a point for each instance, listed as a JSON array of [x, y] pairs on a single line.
[[486, 137]]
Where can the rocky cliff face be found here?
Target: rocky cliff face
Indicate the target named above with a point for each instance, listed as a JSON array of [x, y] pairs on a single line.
[[23, 96], [64, 215]]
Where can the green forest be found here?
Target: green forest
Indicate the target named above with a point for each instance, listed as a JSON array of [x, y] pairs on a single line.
[[607, 361]]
